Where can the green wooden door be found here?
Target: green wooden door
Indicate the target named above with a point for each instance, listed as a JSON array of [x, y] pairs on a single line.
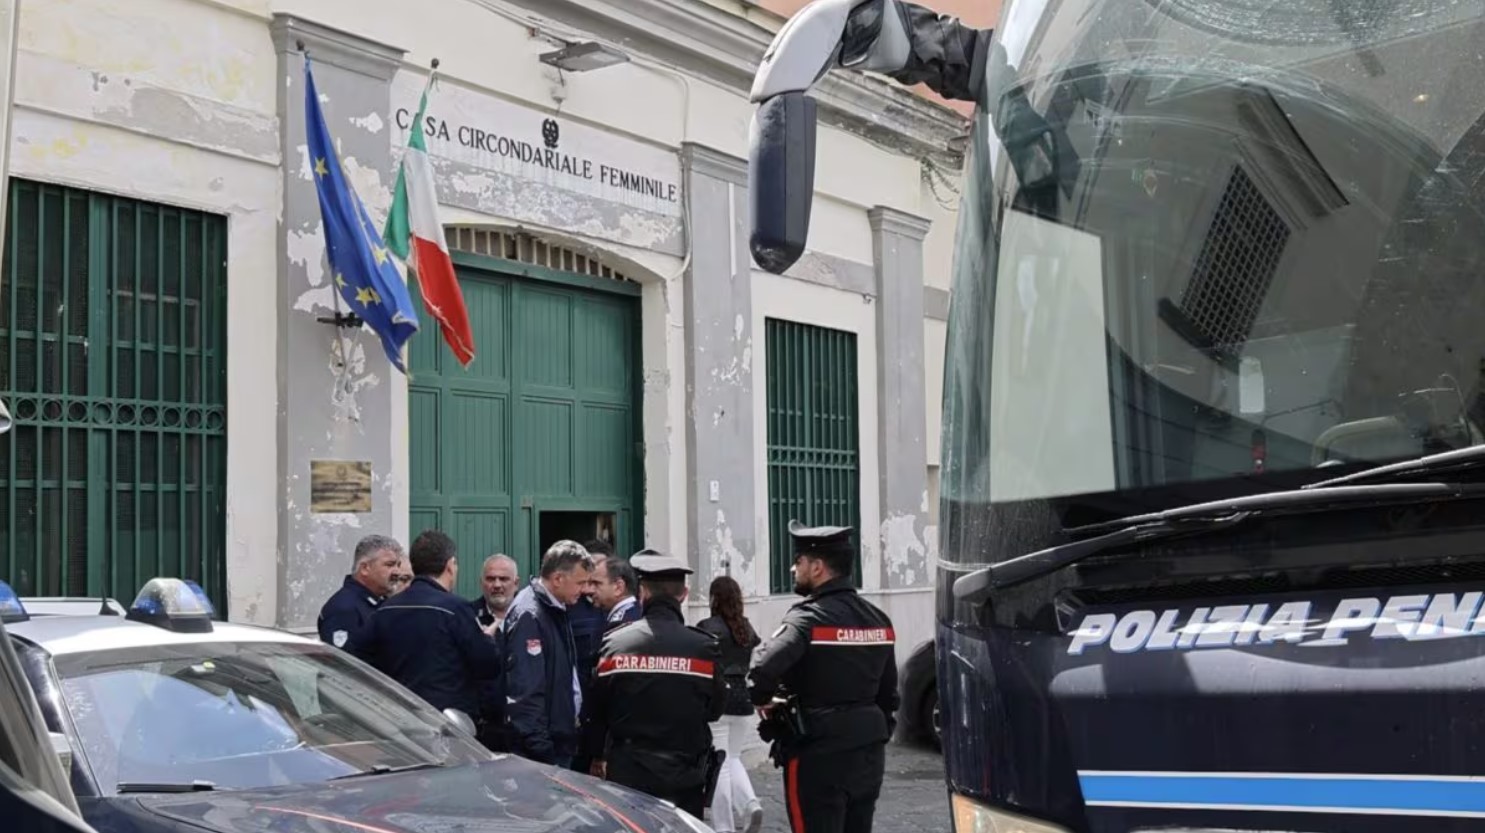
[[546, 419], [115, 372]]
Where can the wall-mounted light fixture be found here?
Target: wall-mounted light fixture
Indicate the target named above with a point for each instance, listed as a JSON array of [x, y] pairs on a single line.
[[584, 56]]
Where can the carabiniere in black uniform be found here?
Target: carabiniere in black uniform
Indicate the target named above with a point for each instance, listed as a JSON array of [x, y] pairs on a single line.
[[657, 687], [828, 677]]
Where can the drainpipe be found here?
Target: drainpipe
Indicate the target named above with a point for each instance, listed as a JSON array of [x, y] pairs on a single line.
[[10, 28]]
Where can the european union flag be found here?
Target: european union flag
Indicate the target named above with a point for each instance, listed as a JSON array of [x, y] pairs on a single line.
[[360, 265]]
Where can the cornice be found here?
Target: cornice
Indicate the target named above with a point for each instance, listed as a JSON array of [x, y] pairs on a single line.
[[698, 158], [887, 220], [336, 47], [725, 49]]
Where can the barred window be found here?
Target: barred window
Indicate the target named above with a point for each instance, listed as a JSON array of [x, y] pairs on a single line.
[[114, 371], [814, 459]]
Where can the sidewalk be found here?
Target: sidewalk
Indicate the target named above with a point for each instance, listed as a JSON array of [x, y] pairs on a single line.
[[913, 794]]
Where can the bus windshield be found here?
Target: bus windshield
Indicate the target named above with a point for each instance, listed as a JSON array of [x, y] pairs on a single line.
[[1211, 247]]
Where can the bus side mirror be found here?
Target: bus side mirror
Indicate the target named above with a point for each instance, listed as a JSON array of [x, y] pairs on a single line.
[[781, 179]]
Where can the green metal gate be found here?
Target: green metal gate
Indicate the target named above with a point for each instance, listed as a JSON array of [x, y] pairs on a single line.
[[115, 374], [546, 419], [813, 437]]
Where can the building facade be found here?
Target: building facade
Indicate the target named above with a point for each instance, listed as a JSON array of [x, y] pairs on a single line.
[[187, 404]]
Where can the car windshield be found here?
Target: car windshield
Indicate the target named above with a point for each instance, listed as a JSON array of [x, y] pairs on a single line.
[[245, 715], [1209, 248]]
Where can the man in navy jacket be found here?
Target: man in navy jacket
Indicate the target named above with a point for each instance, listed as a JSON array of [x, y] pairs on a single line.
[[427, 638], [377, 560], [617, 585], [499, 580], [543, 695]]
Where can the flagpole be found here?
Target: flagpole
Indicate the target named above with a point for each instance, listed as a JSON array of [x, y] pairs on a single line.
[[407, 274], [342, 375]]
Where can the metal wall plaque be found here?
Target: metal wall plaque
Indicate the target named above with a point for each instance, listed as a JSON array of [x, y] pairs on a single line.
[[339, 486]]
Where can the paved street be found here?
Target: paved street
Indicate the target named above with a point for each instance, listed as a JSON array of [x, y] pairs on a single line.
[[913, 797]]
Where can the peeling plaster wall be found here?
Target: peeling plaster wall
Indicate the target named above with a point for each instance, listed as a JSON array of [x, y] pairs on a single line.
[[721, 388], [489, 53], [105, 100], [898, 254], [208, 115], [336, 386]]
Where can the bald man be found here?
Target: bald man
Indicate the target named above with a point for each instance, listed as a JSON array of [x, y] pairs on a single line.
[[499, 580]]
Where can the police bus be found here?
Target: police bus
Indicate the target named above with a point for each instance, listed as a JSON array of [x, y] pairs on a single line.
[[1212, 528]]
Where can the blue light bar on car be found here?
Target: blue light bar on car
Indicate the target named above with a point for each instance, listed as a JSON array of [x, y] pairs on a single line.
[[173, 604], [11, 609]]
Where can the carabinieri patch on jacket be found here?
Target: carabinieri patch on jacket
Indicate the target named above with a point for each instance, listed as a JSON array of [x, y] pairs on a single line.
[[822, 635], [642, 664]]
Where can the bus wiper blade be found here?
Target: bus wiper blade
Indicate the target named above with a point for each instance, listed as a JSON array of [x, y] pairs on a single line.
[[147, 787], [1195, 518], [1037, 564], [383, 769], [1456, 458]]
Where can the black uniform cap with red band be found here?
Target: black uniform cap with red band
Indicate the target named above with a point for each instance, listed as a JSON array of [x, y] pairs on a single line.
[[831, 544]]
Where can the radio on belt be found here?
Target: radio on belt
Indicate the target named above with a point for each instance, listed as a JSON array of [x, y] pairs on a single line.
[[173, 604]]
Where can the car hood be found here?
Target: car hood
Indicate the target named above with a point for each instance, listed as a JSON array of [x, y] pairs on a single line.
[[508, 794]]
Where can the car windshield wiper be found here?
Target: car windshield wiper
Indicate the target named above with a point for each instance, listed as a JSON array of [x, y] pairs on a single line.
[[1459, 458], [383, 769], [164, 787], [1197, 518]]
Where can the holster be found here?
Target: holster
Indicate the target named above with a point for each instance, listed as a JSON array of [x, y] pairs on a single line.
[[714, 761], [785, 729]]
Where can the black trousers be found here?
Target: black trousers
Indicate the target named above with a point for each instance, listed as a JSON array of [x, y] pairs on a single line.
[[629, 768], [581, 763], [834, 792], [493, 735]]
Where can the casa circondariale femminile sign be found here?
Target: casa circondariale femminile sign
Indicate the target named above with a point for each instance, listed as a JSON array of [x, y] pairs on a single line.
[[485, 134]]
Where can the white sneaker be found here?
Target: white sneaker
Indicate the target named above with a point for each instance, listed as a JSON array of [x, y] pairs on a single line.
[[755, 818]]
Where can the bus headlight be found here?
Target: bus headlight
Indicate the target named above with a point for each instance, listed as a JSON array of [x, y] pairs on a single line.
[[973, 817]]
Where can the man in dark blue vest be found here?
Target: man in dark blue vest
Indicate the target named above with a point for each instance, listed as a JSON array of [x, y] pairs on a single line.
[[427, 638], [378, 559]]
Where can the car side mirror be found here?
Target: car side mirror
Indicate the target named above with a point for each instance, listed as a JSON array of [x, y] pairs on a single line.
[[63, 748], [460, 719]]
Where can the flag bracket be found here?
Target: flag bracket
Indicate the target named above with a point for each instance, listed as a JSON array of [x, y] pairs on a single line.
[[342, 319]]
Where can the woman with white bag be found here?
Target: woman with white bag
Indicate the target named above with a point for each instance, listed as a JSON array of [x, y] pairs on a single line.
[[734, 796]]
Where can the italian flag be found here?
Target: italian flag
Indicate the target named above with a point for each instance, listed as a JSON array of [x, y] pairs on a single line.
[[415, 235]]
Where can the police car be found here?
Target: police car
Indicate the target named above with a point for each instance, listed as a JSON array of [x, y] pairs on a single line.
[[167, 720]]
